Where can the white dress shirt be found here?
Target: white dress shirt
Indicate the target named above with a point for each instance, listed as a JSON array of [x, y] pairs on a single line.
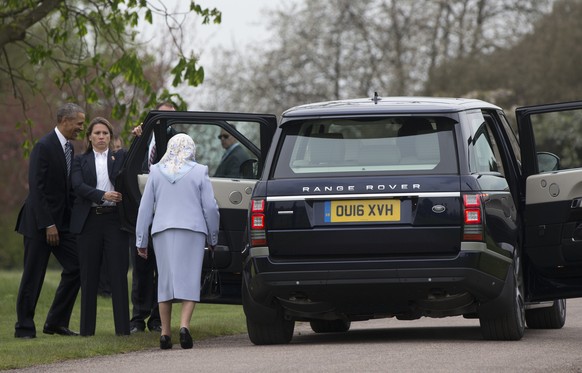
[[103, 182]]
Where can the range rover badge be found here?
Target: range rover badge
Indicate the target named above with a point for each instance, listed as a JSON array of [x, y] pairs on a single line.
[[438, 209]]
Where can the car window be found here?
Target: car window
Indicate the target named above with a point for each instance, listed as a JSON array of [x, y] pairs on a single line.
[[323, 147], [484, 154], [512, 137], [558, 133], [218, 147]]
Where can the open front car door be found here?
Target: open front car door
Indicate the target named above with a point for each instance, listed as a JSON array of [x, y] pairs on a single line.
[[551, 147]]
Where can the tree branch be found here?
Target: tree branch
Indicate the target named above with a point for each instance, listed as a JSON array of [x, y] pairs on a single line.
[[16, 30]]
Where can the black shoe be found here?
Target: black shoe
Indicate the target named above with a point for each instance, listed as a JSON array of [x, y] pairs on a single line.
[[185, 338], [60, 330], [165, 342], [25, 336], [155, 328], [136, 329]]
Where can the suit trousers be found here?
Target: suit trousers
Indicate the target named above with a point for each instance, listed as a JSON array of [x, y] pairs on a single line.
[[36, 256], [144, 291], [102, 239]]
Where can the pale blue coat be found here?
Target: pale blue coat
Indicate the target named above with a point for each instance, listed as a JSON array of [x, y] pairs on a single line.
[[188, 203]]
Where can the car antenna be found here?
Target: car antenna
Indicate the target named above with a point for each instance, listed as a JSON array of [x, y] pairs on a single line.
[[376, 98]]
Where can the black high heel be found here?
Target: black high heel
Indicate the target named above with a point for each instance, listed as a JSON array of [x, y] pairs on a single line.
[[185, 338], [166, 342]]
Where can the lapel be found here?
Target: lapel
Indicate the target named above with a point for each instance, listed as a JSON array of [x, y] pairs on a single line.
[[110, 164], [89, 166], [114, 164]]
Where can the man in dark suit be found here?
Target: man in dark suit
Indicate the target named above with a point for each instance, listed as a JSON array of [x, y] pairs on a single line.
[[234, 156], [44, 223]]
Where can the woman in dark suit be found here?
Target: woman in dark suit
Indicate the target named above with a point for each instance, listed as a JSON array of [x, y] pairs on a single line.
[[95, 220]]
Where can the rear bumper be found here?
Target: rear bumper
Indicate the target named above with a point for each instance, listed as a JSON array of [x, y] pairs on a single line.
[[438, 287]]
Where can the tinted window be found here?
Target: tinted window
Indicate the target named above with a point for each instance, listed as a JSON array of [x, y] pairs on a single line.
[[559, 133], [484, 153], [219, 149], [399, 145]]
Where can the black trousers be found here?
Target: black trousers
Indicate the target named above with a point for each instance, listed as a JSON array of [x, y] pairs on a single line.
[[102, 239], [144, 290], [36, 256]]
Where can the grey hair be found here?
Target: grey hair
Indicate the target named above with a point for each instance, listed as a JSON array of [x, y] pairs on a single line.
[[68, 110], [165, 103]]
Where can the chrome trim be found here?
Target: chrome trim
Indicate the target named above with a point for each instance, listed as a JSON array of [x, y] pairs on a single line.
[[482, 247], [219, 248], [534, 305], [259, 251], [439, 209], [285, 212], [362, 195]]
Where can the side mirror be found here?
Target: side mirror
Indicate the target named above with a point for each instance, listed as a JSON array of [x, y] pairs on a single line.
[[548, 162]]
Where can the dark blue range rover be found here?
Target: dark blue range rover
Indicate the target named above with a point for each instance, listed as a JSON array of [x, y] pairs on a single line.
[[395, 207]]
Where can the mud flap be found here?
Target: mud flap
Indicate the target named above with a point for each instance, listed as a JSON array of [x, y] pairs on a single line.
[[254, 310], [498, 307]]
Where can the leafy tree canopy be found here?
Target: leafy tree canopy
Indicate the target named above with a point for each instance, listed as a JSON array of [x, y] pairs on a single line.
[[90, 50]]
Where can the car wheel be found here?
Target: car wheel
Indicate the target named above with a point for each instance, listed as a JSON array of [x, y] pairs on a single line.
[[278, 332], [330, 326], [510, 325], [553, 317]]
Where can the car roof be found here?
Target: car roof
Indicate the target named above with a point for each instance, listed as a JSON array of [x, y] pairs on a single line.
[[388, 105]]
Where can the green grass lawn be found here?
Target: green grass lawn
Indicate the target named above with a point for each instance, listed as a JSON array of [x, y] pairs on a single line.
[[209, 320]]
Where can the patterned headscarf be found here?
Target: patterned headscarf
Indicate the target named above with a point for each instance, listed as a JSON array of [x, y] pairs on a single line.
[[179, 159]]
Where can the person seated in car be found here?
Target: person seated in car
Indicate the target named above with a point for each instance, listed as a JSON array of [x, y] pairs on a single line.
[[234, 156]]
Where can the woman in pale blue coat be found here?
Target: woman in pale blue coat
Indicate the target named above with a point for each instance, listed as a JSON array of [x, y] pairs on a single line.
[[178, 202]]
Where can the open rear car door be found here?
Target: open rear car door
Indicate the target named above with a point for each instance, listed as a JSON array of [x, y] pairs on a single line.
[[252, 134]]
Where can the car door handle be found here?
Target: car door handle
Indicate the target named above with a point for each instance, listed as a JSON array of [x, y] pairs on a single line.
[[576, 203]]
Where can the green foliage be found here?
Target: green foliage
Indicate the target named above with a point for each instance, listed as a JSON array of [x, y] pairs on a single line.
[[559, 133], [25, 127], [187, 70], [208, 15], [90, 51]]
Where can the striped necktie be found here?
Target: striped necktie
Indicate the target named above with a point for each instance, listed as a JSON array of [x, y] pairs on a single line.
[[152, 157], [68, 154]]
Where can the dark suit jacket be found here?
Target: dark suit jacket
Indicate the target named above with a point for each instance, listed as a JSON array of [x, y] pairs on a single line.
[[84, 180], [50, 196], [230, 165]]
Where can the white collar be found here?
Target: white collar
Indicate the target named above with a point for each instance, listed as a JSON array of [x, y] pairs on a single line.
[[102, 154], [61, 137]]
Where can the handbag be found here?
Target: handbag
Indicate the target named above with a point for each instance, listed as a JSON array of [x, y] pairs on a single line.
[[211, 285]]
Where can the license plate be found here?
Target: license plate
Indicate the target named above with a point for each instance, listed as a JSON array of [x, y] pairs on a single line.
[[375, 210]]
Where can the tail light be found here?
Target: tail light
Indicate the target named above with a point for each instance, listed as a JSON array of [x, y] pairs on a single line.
[[473, 217], [257, 223]]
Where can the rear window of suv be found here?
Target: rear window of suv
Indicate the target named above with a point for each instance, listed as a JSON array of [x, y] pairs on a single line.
[[362, 146]]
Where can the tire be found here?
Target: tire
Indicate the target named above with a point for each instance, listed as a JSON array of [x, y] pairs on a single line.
[[510, 325], [553, 317], [278, 332], [330, 326]]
